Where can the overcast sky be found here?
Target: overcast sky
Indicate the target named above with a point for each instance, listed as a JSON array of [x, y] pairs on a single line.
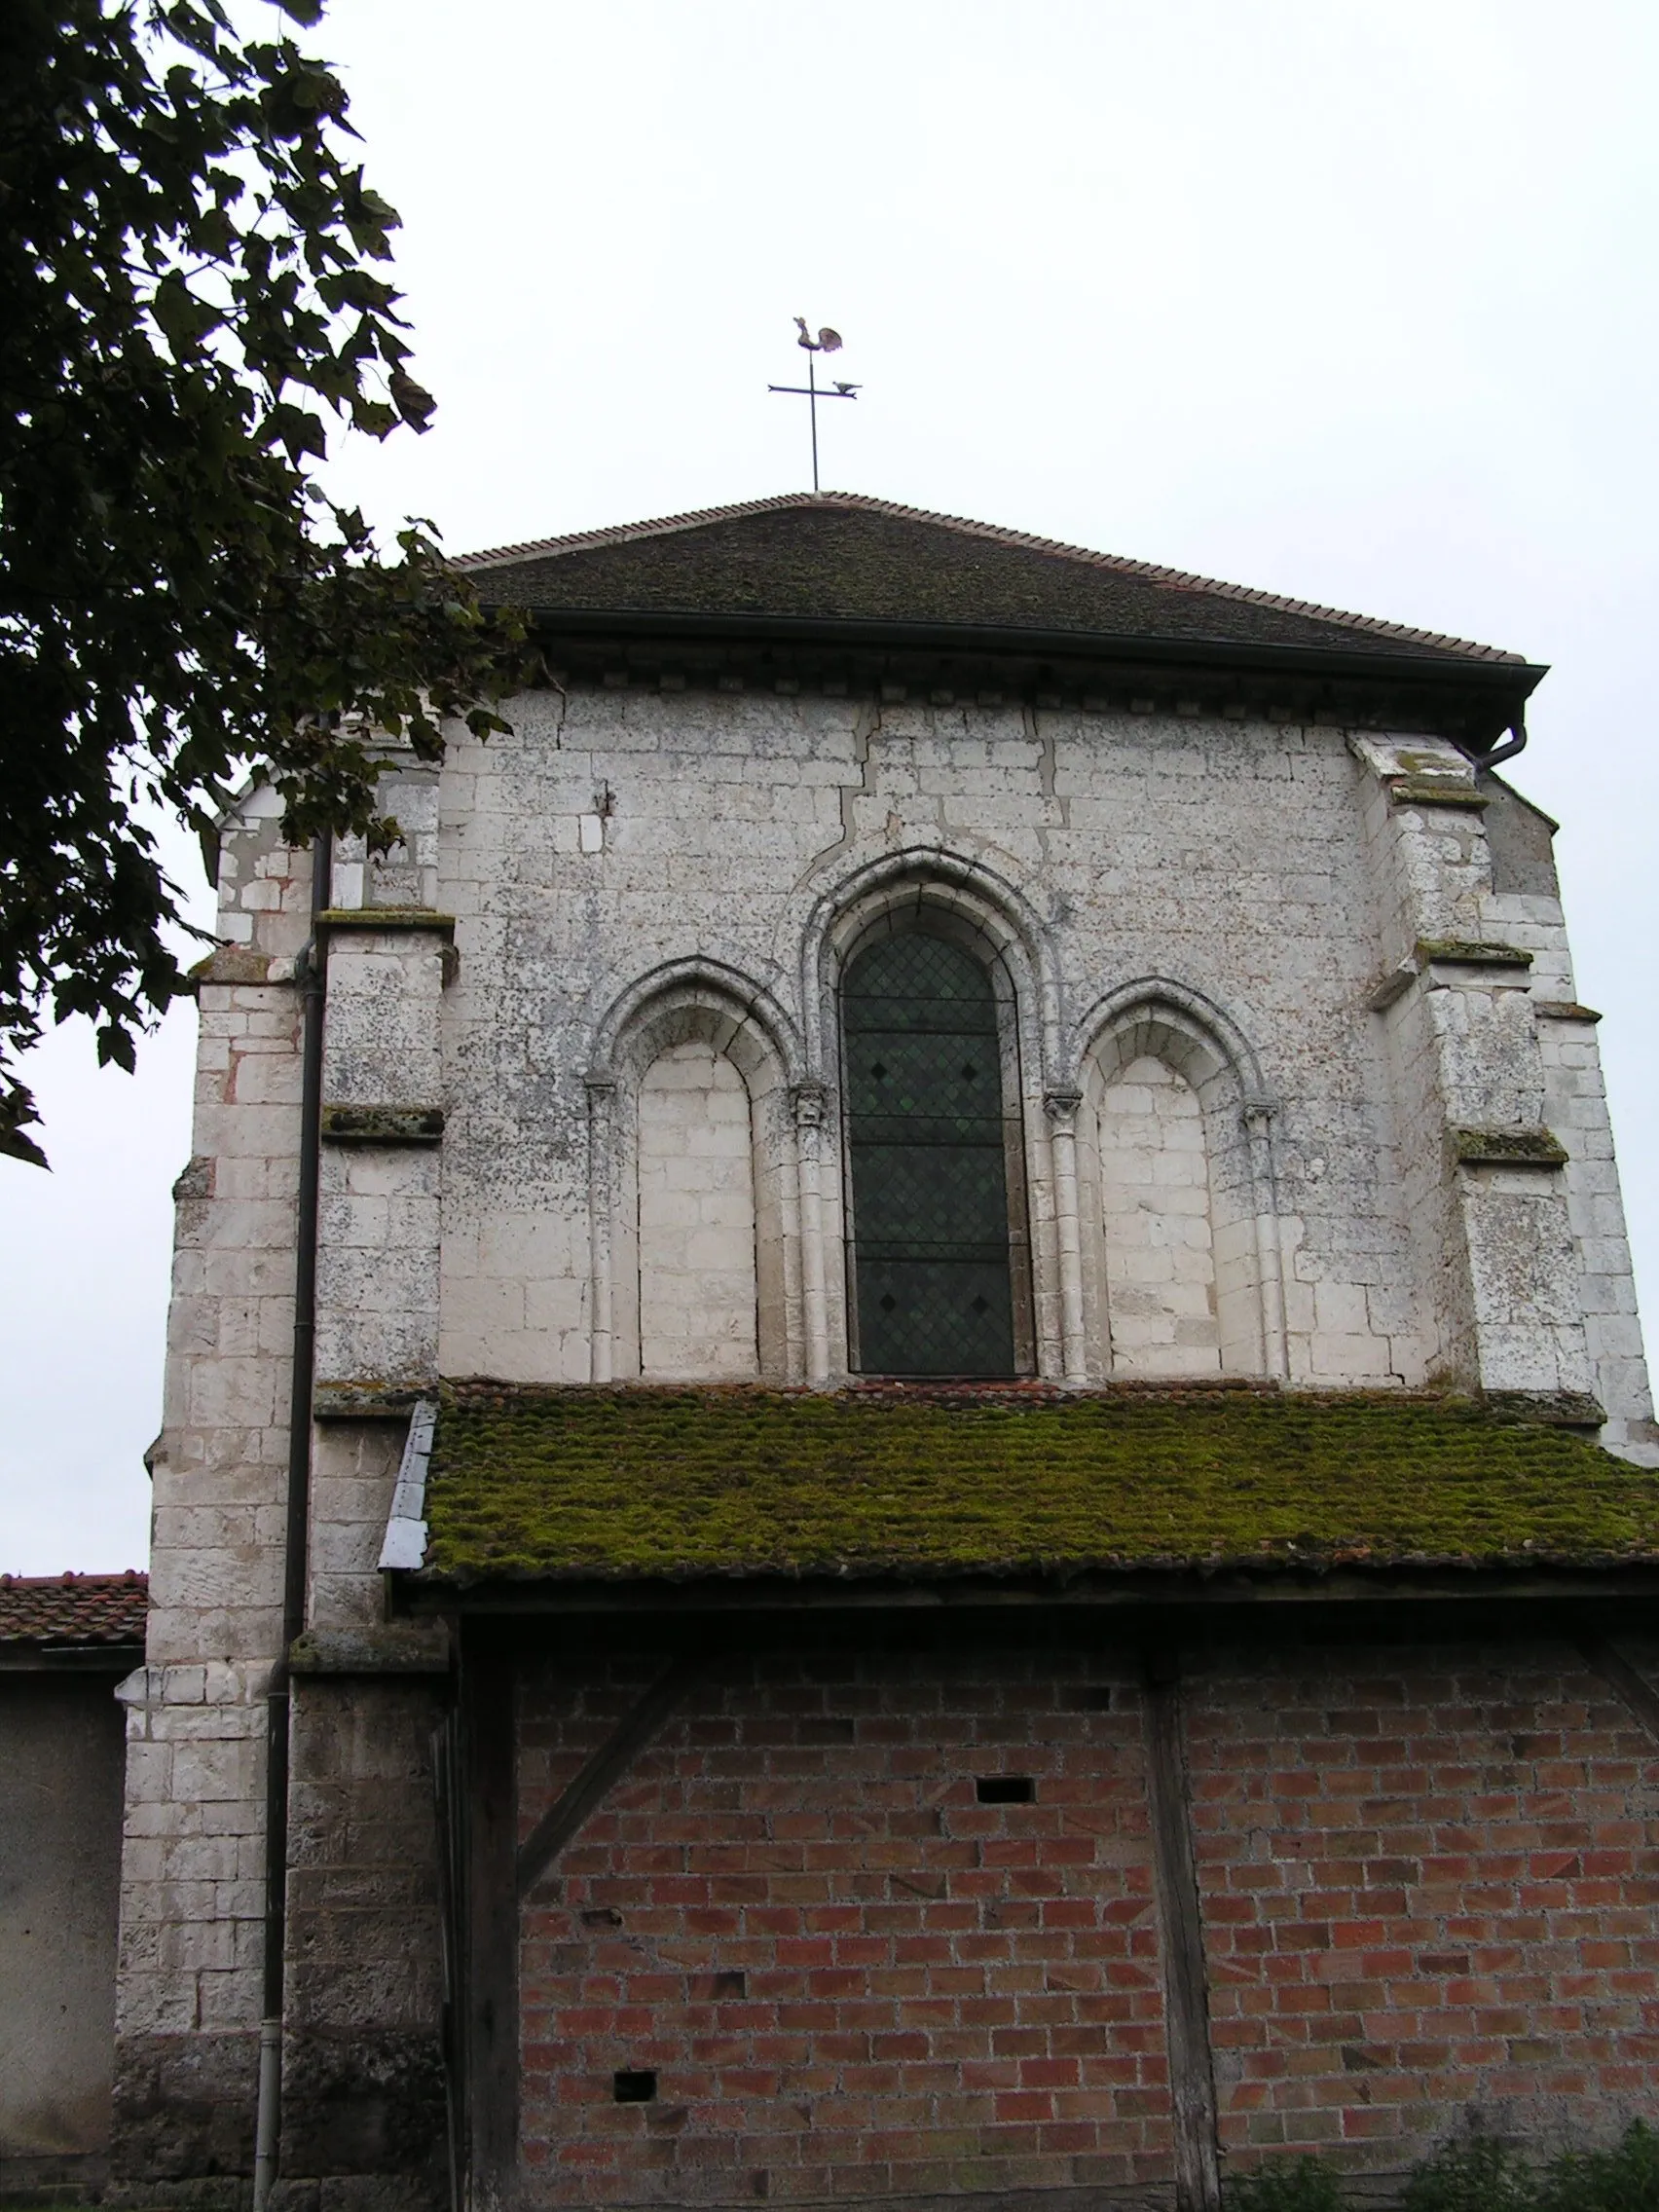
[[1350, 299]]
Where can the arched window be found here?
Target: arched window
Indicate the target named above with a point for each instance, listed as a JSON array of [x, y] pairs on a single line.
[[937, 1274]]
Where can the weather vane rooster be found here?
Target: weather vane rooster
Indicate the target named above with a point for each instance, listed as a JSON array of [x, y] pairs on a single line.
[[812, 391]]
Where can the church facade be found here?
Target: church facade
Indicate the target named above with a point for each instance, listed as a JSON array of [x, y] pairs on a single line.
[[905, 1449]]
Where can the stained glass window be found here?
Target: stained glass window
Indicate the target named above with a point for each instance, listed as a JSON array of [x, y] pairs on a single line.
[[926, 1139]]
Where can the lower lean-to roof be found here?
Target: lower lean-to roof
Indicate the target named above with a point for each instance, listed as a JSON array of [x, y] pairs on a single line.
[[669, 1485]]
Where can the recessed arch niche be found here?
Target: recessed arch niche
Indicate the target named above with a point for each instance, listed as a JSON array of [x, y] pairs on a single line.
[[697, 1248], [1174, 1200]]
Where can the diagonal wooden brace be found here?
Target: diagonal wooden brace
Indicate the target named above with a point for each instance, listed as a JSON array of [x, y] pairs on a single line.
[[606, 1765]]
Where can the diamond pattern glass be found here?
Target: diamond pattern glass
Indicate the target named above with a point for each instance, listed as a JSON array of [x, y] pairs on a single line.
[[925, 1135]]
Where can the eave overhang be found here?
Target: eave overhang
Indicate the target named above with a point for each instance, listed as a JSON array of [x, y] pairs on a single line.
[[1576, 1600], [29, 1658], [1486, 697]]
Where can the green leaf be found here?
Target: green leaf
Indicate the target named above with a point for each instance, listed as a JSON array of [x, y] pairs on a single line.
[[415, 405]]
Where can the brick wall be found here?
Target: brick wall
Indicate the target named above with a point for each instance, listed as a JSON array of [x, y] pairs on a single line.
[[849, 1975], [1428, 1881]]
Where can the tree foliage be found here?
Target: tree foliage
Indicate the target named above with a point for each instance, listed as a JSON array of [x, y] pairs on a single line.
[[193, 292]]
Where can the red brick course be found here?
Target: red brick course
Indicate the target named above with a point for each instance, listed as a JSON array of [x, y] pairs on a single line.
[[851, 1978], [1429, 1884]]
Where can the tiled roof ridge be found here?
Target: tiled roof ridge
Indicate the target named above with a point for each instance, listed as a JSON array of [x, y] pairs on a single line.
[[71, 1579], [74, 1608], [1148, 571]]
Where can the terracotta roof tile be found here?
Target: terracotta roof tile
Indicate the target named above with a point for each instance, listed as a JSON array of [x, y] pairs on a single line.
[[839, 554], [73, 1608], [669, 1484]]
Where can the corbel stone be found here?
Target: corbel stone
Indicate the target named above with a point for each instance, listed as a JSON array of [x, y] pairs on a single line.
[[387, 918], [383, 1124], [1506, 1148], [1436, 791], [386, 1647], [368, 1398]]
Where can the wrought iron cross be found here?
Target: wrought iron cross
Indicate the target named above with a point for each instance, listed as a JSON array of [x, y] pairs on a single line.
[[812, 391]]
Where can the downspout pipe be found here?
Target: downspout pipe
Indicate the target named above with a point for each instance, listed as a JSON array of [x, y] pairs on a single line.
[[1515, 743], [312, 979]]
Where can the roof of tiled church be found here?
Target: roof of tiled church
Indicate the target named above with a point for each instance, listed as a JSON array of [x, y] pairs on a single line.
[[840, 557], [675, 1484], [55, 1609]]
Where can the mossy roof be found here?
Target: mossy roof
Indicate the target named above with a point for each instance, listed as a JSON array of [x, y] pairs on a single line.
[[837, 556], [679, 1484]]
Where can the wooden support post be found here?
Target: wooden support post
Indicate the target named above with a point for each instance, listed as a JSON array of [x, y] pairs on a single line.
[[1185, 2007], [488, 1686]]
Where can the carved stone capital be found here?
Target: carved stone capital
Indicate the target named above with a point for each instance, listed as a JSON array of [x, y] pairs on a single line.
[[1062, 1105], [810, 1103]]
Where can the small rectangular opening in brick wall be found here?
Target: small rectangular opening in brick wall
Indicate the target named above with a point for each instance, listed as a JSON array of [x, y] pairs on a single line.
[[1005, 1789], [634, 2086]]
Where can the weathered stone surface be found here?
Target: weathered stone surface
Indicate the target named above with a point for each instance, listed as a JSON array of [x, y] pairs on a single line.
[[366, 2101], [389, 1647], [184, 2106], [383, 1124], [60, 1757]]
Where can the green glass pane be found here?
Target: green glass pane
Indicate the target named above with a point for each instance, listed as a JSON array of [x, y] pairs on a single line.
[[929, 1177]]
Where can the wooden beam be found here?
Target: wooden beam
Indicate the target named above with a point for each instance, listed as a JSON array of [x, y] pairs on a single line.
[[489, 1700], [606, 1766], [1181, 1942], [1633, 1690]]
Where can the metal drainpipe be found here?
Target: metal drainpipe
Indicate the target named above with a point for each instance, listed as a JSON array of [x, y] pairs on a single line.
[[313, 982], [1517, 744]]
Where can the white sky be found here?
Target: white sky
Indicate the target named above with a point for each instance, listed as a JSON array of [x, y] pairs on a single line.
[[1350, 299]]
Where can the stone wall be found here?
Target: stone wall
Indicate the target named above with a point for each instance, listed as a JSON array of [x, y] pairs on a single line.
[[61, 1755], [363, 2097], [1271, 876], [696, 1247], [193, 1870], [1156, 1226]]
